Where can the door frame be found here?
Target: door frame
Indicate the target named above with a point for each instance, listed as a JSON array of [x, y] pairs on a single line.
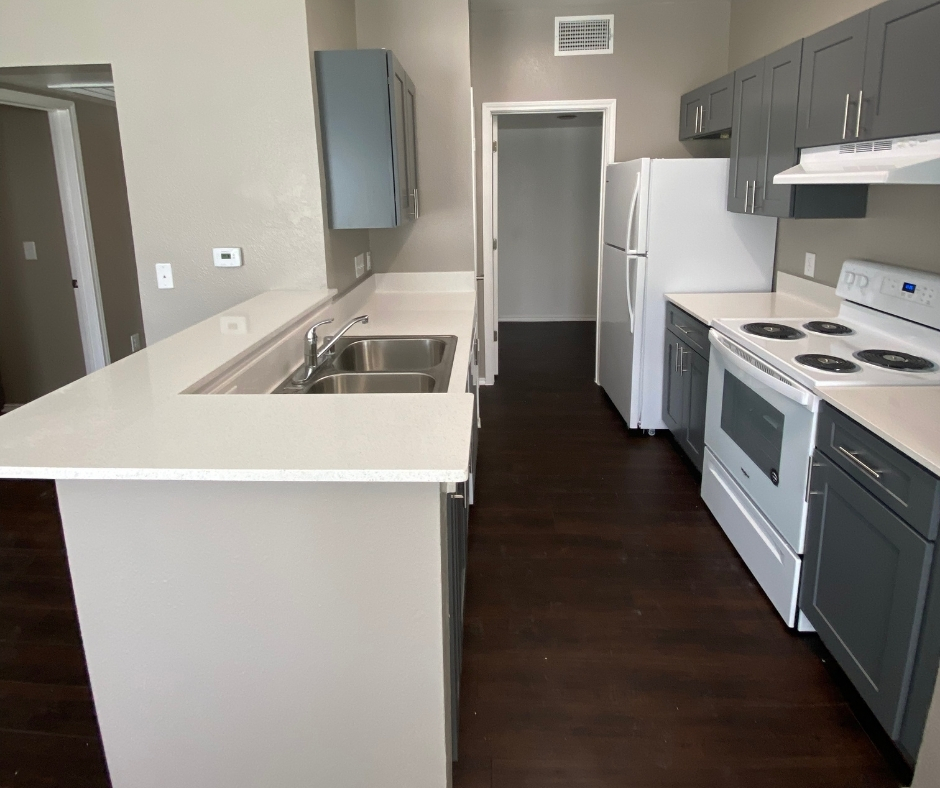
[[491, 112], [70, 173]]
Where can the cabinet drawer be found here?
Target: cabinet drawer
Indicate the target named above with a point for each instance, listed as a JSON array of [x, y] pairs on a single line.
[[902, 485], [691, 331]]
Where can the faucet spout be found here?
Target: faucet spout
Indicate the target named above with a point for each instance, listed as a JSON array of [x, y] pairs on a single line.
[[314, 359], [321, 355]]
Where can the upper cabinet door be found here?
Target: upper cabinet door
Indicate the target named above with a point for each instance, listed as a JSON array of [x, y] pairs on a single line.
[[745, 137], [902, 70], [411, 149], [399, 87], [690, 114], [778, 128], [717, 102], [831, 84]]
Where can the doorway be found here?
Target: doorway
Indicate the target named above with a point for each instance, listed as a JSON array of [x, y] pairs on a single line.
[[542, 203], [69, 296]]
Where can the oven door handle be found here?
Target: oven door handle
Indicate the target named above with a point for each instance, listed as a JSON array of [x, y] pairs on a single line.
[[792, 392]]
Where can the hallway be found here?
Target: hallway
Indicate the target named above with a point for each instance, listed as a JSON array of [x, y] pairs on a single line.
[[613, 637]]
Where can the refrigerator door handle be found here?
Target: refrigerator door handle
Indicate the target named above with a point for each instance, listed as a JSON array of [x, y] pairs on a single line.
[[630, 259], [633, 205]]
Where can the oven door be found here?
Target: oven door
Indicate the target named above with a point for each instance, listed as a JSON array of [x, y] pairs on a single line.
[[761, 425]]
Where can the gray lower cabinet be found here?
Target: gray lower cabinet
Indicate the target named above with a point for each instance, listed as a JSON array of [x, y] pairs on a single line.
[[706, 111], [866, 578], [685, 382], [458, 518], [368, 134]]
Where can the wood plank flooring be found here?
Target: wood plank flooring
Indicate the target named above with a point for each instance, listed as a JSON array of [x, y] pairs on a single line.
[[613, 637]]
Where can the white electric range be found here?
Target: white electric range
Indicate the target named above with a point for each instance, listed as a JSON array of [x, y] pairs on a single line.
[[763, 384]]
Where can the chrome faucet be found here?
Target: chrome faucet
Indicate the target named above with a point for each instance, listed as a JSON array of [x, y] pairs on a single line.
[[313, 358]]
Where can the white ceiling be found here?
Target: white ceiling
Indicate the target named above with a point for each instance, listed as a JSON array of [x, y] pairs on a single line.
[[563, 7]]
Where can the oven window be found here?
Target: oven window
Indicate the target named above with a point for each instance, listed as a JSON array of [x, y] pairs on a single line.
[[754, 425]]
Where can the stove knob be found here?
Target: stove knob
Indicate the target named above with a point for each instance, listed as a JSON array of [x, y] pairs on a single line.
[[849, 277], [862, 281]]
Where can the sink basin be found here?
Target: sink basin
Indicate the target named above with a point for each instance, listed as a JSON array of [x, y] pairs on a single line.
[[391, 355], [373, 383], [381, 365]]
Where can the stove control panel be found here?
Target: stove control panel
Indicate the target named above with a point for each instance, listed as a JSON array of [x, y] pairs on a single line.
[[902, 292]]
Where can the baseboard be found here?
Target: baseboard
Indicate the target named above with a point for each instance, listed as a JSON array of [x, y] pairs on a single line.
[[549, 319], [426, 281], [808, 290]]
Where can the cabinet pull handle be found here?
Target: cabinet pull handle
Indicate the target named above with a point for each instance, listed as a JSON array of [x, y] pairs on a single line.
[[853, 456], [414, 195], [845, 120], [682, 354], [747, 190], [678, 354], [858, 118], [683, 330]]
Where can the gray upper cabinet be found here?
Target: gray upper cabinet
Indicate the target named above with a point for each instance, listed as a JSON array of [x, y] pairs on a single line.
[[901, 93], [831, 83], [778, 130], [746, 136], [706, 112], [367, 125]]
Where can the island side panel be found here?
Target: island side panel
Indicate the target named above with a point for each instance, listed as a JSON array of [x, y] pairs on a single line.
[[263, 633]]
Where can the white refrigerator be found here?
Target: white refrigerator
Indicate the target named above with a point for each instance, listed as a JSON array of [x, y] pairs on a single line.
[[667, 230]]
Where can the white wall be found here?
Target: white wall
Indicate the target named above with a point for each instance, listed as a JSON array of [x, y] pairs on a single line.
[[549, 216], [217, 123], [431, 38]]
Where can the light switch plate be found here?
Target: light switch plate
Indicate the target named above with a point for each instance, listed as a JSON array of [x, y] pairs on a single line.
[[29, 250], [368, 261], [164, 276], [135, 343], [809, 265], [360, 265], [227, 257]]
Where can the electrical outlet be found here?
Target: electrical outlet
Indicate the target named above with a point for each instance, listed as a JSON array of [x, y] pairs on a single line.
[[360, 265], [368, 261], [135, 343], [29, 250], [164, 276], [809, 265], [233, 324]]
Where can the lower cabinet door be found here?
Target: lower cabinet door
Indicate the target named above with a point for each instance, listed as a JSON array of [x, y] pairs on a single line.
[[864, 585], [673, 388], [695, 373]]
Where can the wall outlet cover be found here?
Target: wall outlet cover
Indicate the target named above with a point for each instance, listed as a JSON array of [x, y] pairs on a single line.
[[368, 261], [360, 262], [164, 276], [227, 257], [29, 250], [233, 324], [809, 265], [135, 343]]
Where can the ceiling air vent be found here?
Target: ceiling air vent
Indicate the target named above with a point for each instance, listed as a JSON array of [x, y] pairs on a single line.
[[584, 35]]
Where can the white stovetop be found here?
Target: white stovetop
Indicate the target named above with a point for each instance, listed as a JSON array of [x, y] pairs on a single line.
[[871, 331], [130, 421]]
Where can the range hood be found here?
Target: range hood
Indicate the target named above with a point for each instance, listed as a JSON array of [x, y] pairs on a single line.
[[902, 160]]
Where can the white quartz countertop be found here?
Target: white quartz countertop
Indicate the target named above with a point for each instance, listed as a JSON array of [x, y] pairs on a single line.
[[709, 307], [907, 417], [131, 421]]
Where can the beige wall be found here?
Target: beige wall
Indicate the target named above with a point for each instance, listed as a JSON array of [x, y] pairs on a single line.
[[40, 342], [928, 762], [217, 124], [111, 224], [331, 24], [901, 226], [431, 39]]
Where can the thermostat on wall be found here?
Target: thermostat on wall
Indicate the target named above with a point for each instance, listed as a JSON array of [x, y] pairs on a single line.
[[227, 257]]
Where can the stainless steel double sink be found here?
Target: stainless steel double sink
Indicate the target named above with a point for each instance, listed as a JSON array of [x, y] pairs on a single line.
[[382, 365]]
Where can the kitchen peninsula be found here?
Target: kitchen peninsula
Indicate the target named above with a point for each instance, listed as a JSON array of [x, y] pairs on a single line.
[[262, 580]]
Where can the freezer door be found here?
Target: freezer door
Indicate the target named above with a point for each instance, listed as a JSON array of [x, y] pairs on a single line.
[[621, 297], [626, 203]]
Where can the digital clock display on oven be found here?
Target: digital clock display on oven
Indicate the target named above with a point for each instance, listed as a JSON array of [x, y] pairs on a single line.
[[909, 287]]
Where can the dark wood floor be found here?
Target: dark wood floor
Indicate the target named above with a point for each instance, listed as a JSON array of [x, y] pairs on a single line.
[[612, 636]]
